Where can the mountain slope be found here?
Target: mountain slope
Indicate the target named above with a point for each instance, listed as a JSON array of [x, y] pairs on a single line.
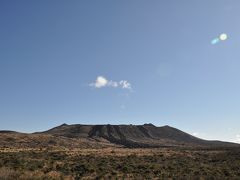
[[146, 135]]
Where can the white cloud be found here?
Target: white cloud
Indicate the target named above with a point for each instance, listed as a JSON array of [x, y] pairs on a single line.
[[195, 134], [101, 82], [112, 84], [125, 84], [201, 135], [237, 138]]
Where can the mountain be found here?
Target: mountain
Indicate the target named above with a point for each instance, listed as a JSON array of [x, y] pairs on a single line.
[[146, 135], [97, 136]]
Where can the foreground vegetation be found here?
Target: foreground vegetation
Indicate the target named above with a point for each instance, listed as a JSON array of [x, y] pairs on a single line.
[[119, 163]]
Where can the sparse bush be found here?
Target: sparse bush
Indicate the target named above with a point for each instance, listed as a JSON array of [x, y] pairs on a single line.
[[7, 173], [59, 165]]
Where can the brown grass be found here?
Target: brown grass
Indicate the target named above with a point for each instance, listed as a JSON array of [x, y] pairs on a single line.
[[118, 163]]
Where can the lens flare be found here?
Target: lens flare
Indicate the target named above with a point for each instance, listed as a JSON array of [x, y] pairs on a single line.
[[215, 41], [223, 37]]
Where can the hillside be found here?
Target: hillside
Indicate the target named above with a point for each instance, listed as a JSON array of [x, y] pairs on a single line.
[[97, 136]]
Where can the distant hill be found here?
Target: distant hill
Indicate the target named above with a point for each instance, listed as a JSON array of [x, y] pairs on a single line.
[[98, 136], [146, 135]]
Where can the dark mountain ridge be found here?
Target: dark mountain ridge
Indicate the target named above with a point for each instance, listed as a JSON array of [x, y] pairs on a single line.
[[146, 135], [107, 135]]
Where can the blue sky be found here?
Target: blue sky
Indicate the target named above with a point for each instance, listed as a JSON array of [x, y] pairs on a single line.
[[52, 52]]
